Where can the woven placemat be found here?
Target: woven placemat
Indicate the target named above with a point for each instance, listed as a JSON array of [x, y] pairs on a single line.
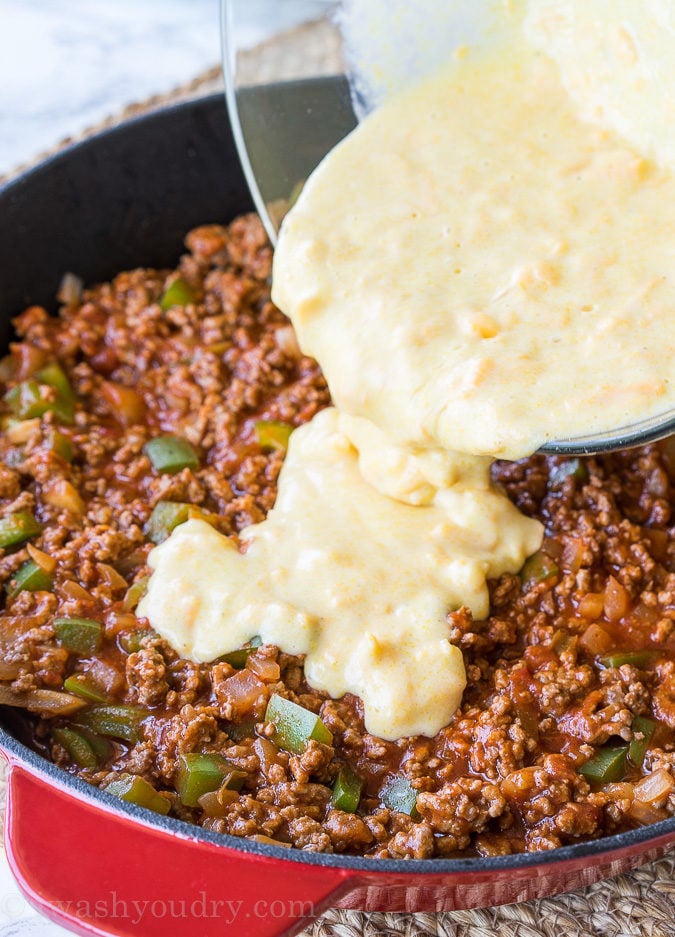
[[638, 904]]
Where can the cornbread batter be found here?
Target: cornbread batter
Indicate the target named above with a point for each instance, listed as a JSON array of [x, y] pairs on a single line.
[[494, 273], [358, 580]]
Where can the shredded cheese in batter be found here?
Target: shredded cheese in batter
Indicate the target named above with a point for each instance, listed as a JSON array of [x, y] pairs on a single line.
[[477, 269]]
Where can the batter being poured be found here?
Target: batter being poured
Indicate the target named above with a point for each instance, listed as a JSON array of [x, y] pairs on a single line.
[[478, 270]]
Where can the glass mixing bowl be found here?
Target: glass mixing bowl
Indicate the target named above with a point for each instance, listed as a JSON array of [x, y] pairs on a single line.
[[288, 97], [321, 66]]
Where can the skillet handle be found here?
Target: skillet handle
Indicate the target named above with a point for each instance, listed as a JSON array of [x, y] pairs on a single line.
[[102, 871]]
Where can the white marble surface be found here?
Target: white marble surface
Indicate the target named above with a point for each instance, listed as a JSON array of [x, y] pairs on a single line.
[[66, 65]]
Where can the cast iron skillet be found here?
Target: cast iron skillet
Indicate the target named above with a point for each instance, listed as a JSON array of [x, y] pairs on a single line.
[[124, 199]]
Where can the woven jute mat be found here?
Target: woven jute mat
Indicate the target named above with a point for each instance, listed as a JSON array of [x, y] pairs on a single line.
[[638, 904]]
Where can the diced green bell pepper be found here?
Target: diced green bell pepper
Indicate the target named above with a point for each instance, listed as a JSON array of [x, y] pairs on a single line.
[[17, 528], [81, 636], [347, 789], [236, 659], [199, 774], [27, 401], [131, 641], [634, 658], [178, 293], [170, 454], [399, 794], [117, 721], [82, 685], [60, 444], [241, 730], [295, 726], [273, 434], [80, 750], [135, 593], [29, 577], [136, 790], [607, 765], [538, 568], [103, 748], [562, 641], [165, 517], [645, 727], [239, 658], [64, 405]]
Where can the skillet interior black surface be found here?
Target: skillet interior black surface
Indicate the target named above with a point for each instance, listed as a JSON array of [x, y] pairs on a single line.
[[127, 198]]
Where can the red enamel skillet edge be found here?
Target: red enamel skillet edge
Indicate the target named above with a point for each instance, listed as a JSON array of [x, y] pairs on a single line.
[[96, 864], [102, 866]]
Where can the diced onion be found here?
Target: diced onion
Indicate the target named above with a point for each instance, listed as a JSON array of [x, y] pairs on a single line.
[[620, 790], [657, 483], [616, 600], [48, 563], [45, 702], [111, 576], [125, 404], [120, 621], [61, 494], [9, 670], [105, 676], [520, 783], [242, 691], [261, 838], [595, 640], [573, 551], [267, 752], [70, 289], [216, 803], [646, 813], [591, 605], [75, 591], [31, 359], [655, 787], [645, 614], [20, 433], [268, 670]]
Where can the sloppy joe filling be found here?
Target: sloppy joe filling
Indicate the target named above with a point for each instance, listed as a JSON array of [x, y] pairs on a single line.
[[171, 395]]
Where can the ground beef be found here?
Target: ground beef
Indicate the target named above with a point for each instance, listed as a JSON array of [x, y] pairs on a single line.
[[576, 660]]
